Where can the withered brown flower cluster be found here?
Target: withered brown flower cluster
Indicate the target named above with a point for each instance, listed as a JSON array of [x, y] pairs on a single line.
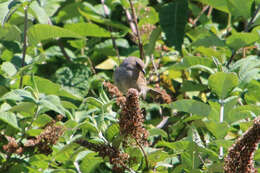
[[131, 118], [118, 159], [41, 144], [240, 155], [12, 146], [44, 142], [114, 92]]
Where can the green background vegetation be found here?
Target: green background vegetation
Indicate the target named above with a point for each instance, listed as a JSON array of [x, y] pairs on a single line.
[[207, 58]]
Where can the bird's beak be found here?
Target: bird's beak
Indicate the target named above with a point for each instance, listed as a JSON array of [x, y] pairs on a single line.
[[143, 70]]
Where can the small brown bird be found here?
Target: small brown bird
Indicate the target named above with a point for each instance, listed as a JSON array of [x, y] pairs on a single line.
[[130, 74]]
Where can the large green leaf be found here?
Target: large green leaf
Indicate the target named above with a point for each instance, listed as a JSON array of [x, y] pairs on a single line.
[[88, 29], [242, 112], [40, 13], [100, 19], [10, 33], [219, 4], [238, 40], [69, 11], [191, 106], [48, 87], [240, 8], [253, 94], [40, 32], [90, 163], [223, 83], [19, 95], [8, 68], [149, 48], [173, 18], [214, 127], [52, 102], [191, 61], [10, 119]]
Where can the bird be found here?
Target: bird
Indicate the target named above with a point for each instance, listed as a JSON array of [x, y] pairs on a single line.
[[131, 74]]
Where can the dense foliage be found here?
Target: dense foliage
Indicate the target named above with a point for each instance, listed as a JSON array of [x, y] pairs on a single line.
[[56, 114]]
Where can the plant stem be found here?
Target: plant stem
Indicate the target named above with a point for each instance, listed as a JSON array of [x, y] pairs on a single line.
[[24, 42], [140, 45], [221, 119], [111, 31], [145, 156], [63, 51], [247, 27]]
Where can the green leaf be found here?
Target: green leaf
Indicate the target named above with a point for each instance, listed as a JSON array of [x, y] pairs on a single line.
[[8, 68], [191, 106], [240, 8], [177, 147], [34, 132], [19, 95], [3, 11], [40, 32], [149, 48], [40, 13], [10, 33], [26, 107], [157, 132], [219, 4], [48, 87], [108, 64], [90, 163], [208, 39], [95, 102], [214, 128], [112, 131], [157, 156], [100, 19], [192, 86], [191, 61], [253, 94], [52, 102], [223, 83], [242, 112], [241, 39], [10, 119], [69, 11], [173, 18], [88, 29]]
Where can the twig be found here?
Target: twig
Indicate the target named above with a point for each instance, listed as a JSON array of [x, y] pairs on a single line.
[[210, 11], [200, 14], [162, 123], [231, 58], [145, 156], [247, 27], [140, 45], [111, 31], [63, 51], [24, 42]]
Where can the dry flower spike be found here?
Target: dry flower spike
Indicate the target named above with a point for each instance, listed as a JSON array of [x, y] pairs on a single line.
[[241, 154]]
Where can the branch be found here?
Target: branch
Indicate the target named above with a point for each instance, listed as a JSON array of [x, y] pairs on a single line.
[[247, 27], [200, 14], [140, 45], [63, 51], [111, 31], [145, 156], [24, 42]]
